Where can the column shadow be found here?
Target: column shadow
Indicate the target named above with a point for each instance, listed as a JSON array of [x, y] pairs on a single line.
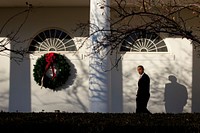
[[175, 96]]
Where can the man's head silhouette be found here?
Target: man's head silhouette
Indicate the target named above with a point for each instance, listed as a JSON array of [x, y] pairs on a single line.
[[172, 78]]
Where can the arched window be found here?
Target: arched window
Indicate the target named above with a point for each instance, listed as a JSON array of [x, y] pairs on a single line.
[[143, 41], [52, 40]]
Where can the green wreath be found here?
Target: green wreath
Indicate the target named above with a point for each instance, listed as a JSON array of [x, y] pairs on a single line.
[[58, 65]]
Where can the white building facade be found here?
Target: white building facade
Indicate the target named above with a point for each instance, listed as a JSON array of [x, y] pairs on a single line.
[[173, 68]]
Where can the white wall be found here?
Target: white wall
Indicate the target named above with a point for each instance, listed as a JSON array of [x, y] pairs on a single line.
[[158, 66], [4, 77], [23, 94], [72, 99]]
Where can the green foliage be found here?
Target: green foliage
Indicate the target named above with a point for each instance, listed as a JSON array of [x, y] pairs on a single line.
[[101, 122], [62, 74]]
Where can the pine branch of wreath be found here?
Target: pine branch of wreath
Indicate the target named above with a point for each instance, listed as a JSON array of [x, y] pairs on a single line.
[[57, 62]]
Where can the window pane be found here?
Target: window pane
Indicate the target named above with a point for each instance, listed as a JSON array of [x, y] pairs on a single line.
[[52, 40], [143, 41]]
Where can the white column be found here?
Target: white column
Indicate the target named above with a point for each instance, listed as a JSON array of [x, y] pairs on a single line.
[[20, 84], [99, 78]]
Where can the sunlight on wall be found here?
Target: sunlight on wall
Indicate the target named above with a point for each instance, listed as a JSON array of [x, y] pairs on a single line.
[[177, 62], [4, 79]]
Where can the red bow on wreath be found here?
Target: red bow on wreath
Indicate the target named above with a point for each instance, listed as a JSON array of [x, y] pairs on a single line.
[[49, 58]]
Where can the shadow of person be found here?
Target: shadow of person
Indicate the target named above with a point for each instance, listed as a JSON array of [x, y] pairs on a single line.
[[175, 96]]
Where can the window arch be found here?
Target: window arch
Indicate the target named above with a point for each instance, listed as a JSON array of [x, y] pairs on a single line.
[[143, 41], [52, 40]]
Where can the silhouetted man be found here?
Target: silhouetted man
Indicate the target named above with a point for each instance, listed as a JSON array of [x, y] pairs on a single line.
[[143, 92]]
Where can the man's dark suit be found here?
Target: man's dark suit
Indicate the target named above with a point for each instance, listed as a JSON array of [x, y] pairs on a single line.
[[143, 94]]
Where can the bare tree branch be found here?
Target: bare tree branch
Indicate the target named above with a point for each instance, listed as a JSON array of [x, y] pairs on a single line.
[[13, 36], [158, 16]]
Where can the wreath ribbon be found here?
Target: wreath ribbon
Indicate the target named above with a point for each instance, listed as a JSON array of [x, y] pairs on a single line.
[[46, 62], [49, 58]]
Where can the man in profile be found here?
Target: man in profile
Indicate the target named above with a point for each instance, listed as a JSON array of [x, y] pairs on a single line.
[[143, 92]]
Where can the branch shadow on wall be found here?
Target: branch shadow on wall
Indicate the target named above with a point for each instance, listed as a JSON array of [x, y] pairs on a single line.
[[114, 97], [71, 91], [159, 70], [4, 93], [77, 87], [175, 96]]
